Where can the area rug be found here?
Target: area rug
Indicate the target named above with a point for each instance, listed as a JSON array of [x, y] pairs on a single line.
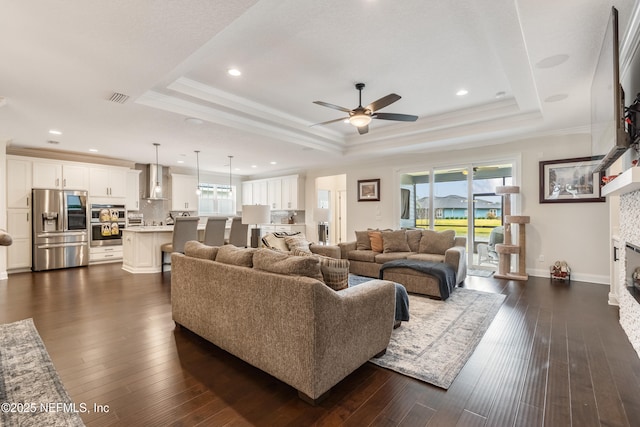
[[434, 345], [31, 393], [480, 273]]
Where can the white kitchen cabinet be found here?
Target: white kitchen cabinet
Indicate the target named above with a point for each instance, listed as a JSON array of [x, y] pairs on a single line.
[[60, 175], [183, 192], [260, 193], [292, 192], [132, 202], [274, 194], [108, 181], [103, 254], [247, 193], [19, 227], [18, 183]]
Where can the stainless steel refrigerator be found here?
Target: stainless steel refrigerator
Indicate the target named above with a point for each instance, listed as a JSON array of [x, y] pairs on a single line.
[[60, 229]]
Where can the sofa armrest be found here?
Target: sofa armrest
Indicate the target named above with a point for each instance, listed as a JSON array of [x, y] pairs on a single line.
[[332, 251], [457, 258], [460, 241], [346, 247]]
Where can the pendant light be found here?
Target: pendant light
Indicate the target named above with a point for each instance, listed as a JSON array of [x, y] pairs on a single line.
[[198, 190], [158, 188], [230, 187]]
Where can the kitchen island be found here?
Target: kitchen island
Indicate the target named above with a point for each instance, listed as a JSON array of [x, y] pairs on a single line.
[[141, 247]]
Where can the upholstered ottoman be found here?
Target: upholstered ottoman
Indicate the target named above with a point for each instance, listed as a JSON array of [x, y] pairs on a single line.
[[433, 279]]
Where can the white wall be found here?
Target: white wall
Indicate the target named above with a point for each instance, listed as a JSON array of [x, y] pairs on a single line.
[[3, 207], [575, 232]]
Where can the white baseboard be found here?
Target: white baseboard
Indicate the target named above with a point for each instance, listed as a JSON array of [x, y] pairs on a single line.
[[593, 278], [3, 275]]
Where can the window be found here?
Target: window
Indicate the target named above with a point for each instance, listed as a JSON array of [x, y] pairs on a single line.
[[216, 199]]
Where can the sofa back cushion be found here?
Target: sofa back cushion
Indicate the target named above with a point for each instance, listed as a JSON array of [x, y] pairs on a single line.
[[229, 254], [195, 249], [395, 241], [363, 242], [284, 263], [433, 242], [335, 271], [413, 239]]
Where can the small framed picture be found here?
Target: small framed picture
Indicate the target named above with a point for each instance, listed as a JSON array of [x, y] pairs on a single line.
[[570, 180], [369, 190]]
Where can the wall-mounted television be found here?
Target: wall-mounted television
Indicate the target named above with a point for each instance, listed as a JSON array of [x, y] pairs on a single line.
[[609, 137]]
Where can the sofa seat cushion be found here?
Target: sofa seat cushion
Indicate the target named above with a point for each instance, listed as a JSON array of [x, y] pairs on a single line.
[[427, 257], [390, 256], [363, 255], [284, 263], [229, 254], [197, 249]]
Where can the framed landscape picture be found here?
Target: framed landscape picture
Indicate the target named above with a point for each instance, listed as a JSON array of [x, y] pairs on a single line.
[[369, 190], [570, 180]]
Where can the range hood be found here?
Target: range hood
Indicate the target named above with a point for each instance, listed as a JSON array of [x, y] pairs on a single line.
[[152, 175]]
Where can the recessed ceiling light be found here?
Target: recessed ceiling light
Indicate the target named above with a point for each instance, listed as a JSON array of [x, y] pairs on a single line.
[[234, 72], [552, 61], [193, 121], [93, 150], [462, 92], [237, 169], [254, 166], [55, 132], [273, 163], [180, 161]]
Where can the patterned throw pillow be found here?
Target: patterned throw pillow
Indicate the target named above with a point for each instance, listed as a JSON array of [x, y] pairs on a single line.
[[433, 242], [395, 241], [299, 241], [277, 240], [335, 271], [376, 240]]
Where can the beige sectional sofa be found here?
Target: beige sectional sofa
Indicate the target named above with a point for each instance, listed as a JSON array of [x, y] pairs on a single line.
[[263, 307], [373, 248]]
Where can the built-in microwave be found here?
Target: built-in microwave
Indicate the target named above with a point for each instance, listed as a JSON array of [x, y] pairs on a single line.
[[107, 223]]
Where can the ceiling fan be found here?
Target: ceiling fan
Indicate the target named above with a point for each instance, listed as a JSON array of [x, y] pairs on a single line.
[[361, 116]]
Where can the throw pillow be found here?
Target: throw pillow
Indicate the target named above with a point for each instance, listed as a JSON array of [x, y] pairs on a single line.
[[335, 271], [376, 240], [5, 238], [395, 241], [413, 238], [284, 263], [197, 249], [229, 254], [277, 240], [299, 241], [363, 243], [433, 242]]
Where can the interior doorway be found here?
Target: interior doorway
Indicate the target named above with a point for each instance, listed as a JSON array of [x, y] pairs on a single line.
[[331, 193]]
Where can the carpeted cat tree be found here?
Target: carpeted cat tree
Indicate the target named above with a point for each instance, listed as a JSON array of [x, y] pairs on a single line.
[[508, 248]]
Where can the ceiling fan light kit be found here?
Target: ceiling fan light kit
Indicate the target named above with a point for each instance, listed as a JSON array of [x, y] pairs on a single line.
[[360, 117]]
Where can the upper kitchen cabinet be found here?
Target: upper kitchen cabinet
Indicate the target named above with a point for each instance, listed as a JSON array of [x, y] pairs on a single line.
[[132, 202], [274, 194], [60, 175], [292, 192], [183, 192], [18, 183], [108, 181]]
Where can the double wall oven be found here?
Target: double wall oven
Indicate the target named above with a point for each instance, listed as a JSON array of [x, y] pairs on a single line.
[[107, 223]]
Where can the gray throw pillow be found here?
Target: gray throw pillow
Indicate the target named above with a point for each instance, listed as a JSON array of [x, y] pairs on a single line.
[[395, 241], [433, 242], [363, 243]]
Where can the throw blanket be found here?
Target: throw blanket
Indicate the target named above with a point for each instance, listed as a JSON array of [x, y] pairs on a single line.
[[402, 298], [445, 273]]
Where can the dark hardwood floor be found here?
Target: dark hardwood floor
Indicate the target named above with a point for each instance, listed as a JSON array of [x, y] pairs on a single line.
[[555, 355]]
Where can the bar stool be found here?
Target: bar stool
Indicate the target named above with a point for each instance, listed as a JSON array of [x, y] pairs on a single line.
[[214, 231], [238, 233], [184, 229]]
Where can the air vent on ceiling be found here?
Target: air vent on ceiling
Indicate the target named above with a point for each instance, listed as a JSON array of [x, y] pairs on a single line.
[[120, 98]]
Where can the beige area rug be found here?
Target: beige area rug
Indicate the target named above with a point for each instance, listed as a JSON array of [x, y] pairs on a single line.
[[31, 393], [434, 345]]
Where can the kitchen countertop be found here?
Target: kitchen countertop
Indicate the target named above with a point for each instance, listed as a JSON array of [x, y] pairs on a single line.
[[154, 228]]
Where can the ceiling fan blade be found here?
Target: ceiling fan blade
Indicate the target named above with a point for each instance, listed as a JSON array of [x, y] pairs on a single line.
[[398, 117], [329, 121], [335, 107], [383, 102], [363, 129]]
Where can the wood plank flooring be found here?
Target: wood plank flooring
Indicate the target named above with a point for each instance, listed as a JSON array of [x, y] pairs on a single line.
[[555, 355]]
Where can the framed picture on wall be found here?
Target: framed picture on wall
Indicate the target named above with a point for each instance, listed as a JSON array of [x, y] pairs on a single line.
[[369, 190], [570, 180]]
